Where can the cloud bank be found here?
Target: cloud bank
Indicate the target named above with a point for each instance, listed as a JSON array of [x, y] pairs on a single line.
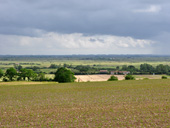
[[76, 43]]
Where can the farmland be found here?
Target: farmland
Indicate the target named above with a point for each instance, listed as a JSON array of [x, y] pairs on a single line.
[[88, 78], [100, 77], [95, 61], [140, 103], [99, 64]]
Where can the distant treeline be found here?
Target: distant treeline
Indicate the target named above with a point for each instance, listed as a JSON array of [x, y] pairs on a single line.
[[148, 69], [87, 69], [127, 58]]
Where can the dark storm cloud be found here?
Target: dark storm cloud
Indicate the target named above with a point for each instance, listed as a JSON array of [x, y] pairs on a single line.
[[138, 19], [85, 16]]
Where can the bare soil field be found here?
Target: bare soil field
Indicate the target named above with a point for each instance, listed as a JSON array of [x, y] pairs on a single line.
[[86, 78]]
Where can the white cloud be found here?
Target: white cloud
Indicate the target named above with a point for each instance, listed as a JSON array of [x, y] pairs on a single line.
[[150, 9], [78, 40], [76, 43]]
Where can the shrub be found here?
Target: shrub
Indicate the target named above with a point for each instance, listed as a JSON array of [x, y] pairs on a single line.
[[164, 77], [145, 78], [129, 77], [113, 78]]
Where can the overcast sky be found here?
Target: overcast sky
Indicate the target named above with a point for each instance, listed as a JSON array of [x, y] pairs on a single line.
[[64, 27]]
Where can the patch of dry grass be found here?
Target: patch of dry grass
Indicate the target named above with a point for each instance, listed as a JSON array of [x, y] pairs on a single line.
[[144, 103]]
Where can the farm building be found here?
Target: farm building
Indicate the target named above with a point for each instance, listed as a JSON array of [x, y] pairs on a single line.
[[119, 72]]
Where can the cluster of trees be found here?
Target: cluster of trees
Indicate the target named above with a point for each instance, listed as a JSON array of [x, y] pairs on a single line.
[[79, 69], [12, 74], [84, 69], [147, 69], [62, 75], [53, 66]]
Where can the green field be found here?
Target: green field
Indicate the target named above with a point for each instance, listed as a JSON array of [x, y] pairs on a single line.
[[98, 64], [142, 103], [81, 62]]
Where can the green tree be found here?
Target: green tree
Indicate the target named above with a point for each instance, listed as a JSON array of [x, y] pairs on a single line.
[[132, 69], [124, 67], [30, 74], [162, 69], [113, 78], [83, 69], [53, 66], [27, 73], [65, 65], [1, 73], [117, 67], [35, 68], [11, 73], [23, 73], [64, 75], [147, 68], [17, 67], [41, 77]]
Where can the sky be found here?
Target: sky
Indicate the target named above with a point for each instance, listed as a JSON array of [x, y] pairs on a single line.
[[66, 27]]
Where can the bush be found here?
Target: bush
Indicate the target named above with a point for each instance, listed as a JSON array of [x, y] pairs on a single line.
[[145, 78], [129, 77], [113, 78], [164, 77]]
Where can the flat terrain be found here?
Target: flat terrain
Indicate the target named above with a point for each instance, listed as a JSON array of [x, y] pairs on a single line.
[[138, 103], [22, 83], [88, 78], [99, 64]]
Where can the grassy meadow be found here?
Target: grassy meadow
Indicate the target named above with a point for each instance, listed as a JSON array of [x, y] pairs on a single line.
[[140, 103]]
